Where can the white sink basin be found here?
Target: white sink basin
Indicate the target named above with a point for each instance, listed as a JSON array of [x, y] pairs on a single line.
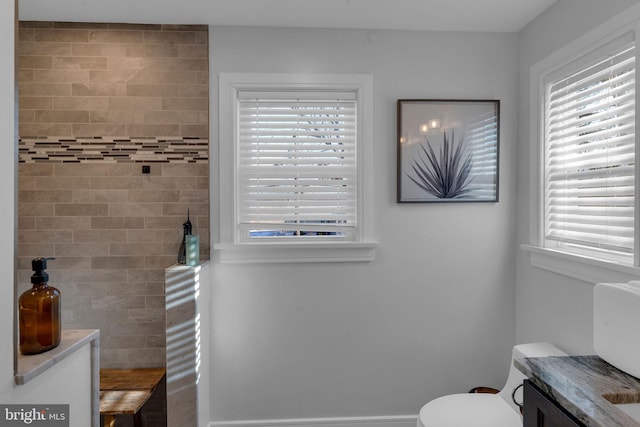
[[616, 316], [631, 409]]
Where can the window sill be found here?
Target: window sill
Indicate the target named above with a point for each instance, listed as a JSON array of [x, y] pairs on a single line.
[[580, 267], [296, 252]]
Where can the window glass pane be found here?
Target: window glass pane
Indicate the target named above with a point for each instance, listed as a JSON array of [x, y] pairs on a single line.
[[297, 166], [590, 157]]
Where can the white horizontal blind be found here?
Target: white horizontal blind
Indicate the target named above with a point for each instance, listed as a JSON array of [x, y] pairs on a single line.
[[297, 165], [590, 156]]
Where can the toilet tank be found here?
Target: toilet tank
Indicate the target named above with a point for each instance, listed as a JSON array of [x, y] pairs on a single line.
[[616, 316]]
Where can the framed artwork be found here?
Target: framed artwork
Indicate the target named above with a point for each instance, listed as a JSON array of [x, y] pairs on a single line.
[[448, 150]]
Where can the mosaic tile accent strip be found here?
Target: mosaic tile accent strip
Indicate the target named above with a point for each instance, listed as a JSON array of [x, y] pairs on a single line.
[[114, 150]]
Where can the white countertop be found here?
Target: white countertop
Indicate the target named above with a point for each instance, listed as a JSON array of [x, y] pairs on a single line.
[[31, 366]]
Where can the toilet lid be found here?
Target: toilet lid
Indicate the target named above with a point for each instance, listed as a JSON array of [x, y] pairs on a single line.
[[460, 410]]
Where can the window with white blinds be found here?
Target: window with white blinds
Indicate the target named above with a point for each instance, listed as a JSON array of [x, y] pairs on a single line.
[[297, 165], [589, 132]]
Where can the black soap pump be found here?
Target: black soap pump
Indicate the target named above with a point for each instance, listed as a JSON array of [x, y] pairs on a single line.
[[182, 253], [39, 312]]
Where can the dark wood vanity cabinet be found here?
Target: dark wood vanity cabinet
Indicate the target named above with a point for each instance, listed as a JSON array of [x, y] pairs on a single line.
[[542, 411]]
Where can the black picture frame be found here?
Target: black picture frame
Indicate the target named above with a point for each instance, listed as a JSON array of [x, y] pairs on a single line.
[[448, 150]]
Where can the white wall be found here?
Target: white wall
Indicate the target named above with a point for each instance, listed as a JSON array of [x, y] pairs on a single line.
[[7, 185], [551, 307], [434, 314]]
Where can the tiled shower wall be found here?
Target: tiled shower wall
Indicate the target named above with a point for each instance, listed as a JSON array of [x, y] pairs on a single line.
[[113, 79], [97, 102]]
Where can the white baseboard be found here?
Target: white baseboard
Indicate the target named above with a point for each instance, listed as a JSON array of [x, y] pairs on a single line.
[[390, 421]]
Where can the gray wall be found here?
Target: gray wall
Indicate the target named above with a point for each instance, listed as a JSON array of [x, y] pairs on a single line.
[[434, 313], [551, 307]]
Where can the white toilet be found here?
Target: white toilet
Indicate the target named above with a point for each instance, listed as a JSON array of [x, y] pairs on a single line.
[[482, 409]]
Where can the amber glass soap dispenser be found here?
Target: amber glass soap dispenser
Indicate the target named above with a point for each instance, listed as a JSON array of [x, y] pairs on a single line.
[[39, 312]]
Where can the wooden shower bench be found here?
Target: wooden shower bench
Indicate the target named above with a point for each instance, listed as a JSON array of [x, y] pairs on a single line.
[[125, 391]]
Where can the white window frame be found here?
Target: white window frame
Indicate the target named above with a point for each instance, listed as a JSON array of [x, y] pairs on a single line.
[[232, 248], [584, 266]]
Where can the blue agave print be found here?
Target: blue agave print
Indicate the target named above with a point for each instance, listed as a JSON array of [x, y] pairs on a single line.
[[446, 176]]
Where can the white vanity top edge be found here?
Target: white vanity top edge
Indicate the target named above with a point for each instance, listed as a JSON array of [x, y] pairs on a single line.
[[72, 340]]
